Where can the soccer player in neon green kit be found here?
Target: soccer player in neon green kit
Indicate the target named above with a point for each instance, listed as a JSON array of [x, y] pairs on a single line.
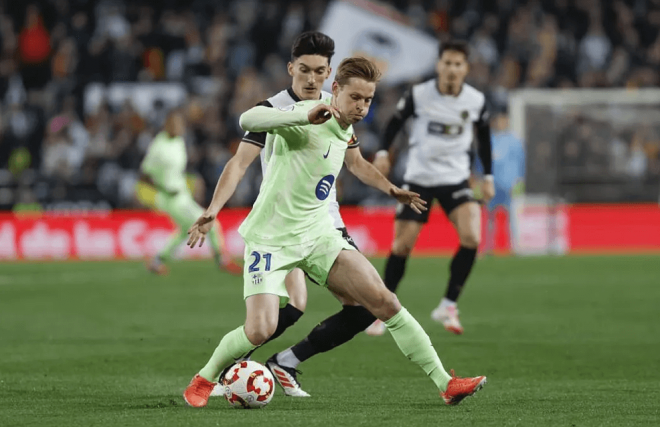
[[164, 168], [289, 227]]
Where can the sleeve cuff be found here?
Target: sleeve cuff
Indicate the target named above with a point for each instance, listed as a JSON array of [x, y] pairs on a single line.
[[253, 142]]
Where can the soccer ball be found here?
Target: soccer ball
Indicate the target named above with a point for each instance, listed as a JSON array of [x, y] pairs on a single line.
[[248, 385]]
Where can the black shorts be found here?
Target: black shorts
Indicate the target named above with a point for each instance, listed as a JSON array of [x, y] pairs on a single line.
[[348, 238], [449, 196]]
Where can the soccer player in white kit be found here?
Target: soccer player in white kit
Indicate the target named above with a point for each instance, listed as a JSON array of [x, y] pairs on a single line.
[[446, 113]]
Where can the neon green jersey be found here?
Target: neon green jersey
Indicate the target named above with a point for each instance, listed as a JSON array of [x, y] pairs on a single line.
[[292, 206], [166, 161]]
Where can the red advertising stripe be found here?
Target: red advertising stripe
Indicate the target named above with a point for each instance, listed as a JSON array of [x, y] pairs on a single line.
[[614, 228], [140, 234], [373, 231]]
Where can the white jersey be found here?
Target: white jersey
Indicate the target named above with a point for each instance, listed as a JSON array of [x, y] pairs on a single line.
[[441, 134], [282, 100]]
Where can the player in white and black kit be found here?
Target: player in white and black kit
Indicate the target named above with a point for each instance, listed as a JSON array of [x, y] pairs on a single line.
[[309, 68], [446, 113]]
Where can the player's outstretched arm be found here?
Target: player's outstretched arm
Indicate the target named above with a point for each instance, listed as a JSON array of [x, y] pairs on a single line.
[[229, 179], [387, 154], [365, 171], [382, 162], [485, 154], [265, 119], [369, 174], [321, 113]]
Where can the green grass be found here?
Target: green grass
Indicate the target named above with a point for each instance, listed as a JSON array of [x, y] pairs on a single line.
[[564, 342]]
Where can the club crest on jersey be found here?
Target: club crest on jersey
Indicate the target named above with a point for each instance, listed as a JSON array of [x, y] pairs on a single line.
[[257, 278], [465, 115], [324, 186]]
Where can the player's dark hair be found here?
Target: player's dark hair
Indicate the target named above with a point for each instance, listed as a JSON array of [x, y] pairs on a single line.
[[359, 67], [313, 43], [455, 46]]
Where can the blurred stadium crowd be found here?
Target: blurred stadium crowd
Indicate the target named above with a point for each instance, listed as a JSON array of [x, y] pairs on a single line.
[[229, 55]]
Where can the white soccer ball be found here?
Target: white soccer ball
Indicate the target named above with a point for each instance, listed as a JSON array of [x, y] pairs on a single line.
[[248, 385]]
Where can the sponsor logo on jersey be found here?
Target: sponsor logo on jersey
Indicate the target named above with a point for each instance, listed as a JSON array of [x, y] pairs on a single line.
[[325, 156], [441, 129], [324, 186]]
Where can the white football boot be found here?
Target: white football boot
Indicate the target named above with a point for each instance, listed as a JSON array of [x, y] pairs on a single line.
[[286, 378], [448, 316]]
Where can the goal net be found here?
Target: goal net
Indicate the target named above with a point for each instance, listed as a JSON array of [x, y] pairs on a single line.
[[582, 146]]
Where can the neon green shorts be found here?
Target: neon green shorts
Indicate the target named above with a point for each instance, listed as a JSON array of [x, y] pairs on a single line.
[[266, 266]]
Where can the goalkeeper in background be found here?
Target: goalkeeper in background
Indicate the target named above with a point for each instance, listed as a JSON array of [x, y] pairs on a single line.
[[163, 168], [509, 173]]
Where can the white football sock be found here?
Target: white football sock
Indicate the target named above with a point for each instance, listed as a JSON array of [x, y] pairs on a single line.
[[288, 359]]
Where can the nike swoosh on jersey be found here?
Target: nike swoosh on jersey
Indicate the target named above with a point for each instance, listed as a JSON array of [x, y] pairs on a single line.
[[325, 156]]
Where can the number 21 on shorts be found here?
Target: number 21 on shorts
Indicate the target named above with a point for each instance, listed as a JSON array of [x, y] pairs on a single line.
[[257, 258]]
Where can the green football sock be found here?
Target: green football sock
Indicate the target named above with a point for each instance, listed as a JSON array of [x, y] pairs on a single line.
[[416, 345], [214, 239], [233, 346], [175, 240]]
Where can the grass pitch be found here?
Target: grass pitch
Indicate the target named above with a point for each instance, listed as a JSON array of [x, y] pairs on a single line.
[[569, 341]]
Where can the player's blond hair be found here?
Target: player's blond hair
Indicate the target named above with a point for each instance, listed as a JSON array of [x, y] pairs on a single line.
[[358, 67]]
